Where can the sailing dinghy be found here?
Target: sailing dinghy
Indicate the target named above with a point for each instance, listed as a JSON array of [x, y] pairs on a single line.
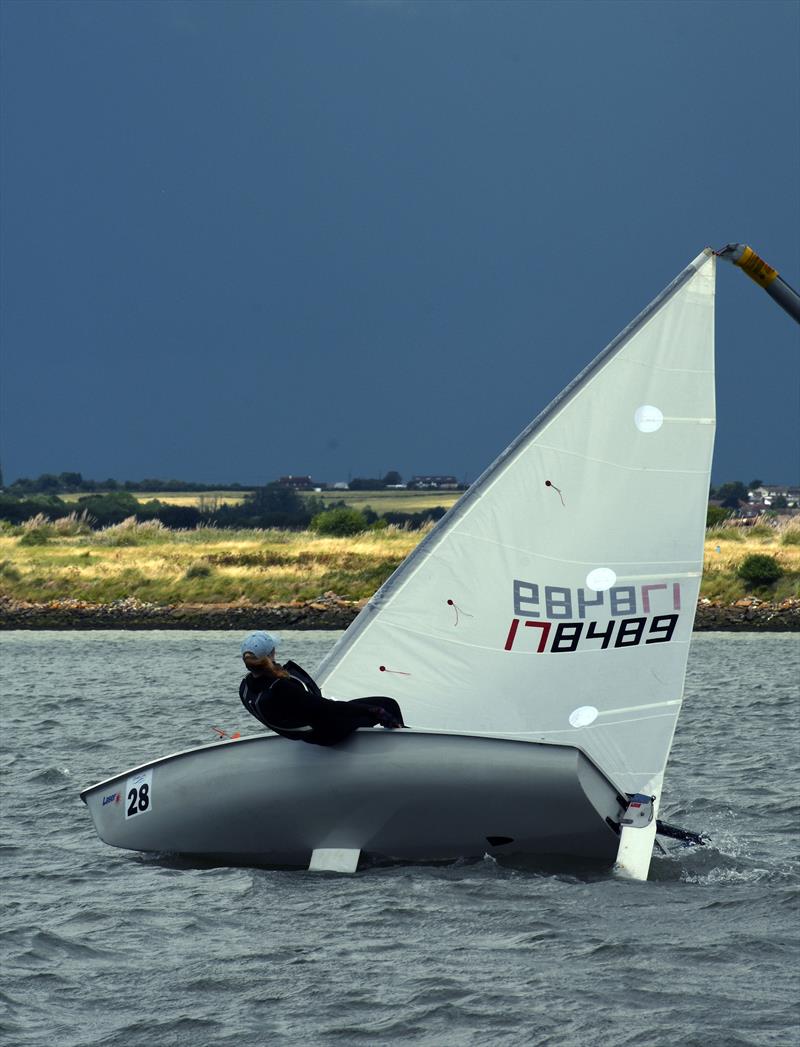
[[537, 640]]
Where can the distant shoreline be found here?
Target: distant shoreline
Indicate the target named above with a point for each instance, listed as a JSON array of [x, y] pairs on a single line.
[[748, 615]]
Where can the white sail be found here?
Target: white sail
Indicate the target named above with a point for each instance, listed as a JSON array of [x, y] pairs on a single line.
[[555, 601]]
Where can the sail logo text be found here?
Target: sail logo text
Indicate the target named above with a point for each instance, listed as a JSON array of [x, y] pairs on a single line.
[[552, 609], [562, 602]]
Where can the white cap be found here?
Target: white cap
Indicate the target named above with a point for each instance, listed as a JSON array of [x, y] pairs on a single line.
[[260, 644]]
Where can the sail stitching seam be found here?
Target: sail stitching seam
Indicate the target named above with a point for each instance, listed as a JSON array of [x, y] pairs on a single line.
[[619, 465], [583, 563]]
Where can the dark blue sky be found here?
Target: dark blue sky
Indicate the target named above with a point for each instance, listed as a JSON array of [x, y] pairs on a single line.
[[244, 239]]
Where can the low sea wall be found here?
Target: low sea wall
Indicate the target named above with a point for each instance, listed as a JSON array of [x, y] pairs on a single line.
[[328, 612]]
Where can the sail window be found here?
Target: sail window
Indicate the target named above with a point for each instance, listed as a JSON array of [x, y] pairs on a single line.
[[648, 419], [600, 579], [583, 716]]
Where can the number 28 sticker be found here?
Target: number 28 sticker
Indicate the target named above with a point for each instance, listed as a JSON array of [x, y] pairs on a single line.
[[139, 793]]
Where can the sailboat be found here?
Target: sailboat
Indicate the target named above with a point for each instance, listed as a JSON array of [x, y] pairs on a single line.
[[536, 639]]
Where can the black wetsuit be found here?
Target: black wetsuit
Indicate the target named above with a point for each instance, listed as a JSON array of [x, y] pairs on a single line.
[[293, 706]]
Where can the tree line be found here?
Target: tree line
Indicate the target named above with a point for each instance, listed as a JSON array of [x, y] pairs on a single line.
[[110, 501], [270, 506], [75, 483]]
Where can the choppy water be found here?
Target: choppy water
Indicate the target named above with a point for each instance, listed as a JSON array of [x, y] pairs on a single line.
[[101, 946]]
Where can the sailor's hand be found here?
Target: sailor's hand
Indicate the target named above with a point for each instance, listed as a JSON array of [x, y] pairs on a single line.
[[385, 719]]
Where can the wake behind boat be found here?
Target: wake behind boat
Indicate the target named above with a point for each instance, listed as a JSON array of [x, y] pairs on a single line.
[[537, 640]]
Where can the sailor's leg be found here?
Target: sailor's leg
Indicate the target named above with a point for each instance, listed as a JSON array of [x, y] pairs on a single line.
[[382, 701]]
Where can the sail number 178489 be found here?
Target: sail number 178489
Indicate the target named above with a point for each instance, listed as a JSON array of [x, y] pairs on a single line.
[[551, 611], [567, 635]]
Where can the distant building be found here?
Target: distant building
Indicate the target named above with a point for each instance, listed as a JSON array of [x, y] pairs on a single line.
[[297, 483], [767, 493], [439, 483]]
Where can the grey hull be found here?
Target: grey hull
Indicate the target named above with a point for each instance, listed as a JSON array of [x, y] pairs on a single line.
[[407, 795]]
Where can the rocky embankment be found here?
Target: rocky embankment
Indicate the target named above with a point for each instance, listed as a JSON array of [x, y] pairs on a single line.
[[326, 612], [748, 615]]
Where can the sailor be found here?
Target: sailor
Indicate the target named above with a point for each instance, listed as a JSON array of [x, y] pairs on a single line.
[[288, 701]]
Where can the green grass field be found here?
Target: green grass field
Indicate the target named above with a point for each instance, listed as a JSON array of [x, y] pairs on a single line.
[[380, 501], [206, 566], [196, 499], [42, 562], [392, 501]]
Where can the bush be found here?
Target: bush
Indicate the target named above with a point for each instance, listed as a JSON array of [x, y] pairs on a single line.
[[715, 514], [270, 506], [415, 521], [339, 523], [761, 531], [34, 538], [36, 531], [176, 517], [109, 509], [40, 522], [726, 534], [791, 536], [199, 569], [731, 494], [759, 569], [74, 524], [124, 533], [9, 571], [17, 510], [154, 528]]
